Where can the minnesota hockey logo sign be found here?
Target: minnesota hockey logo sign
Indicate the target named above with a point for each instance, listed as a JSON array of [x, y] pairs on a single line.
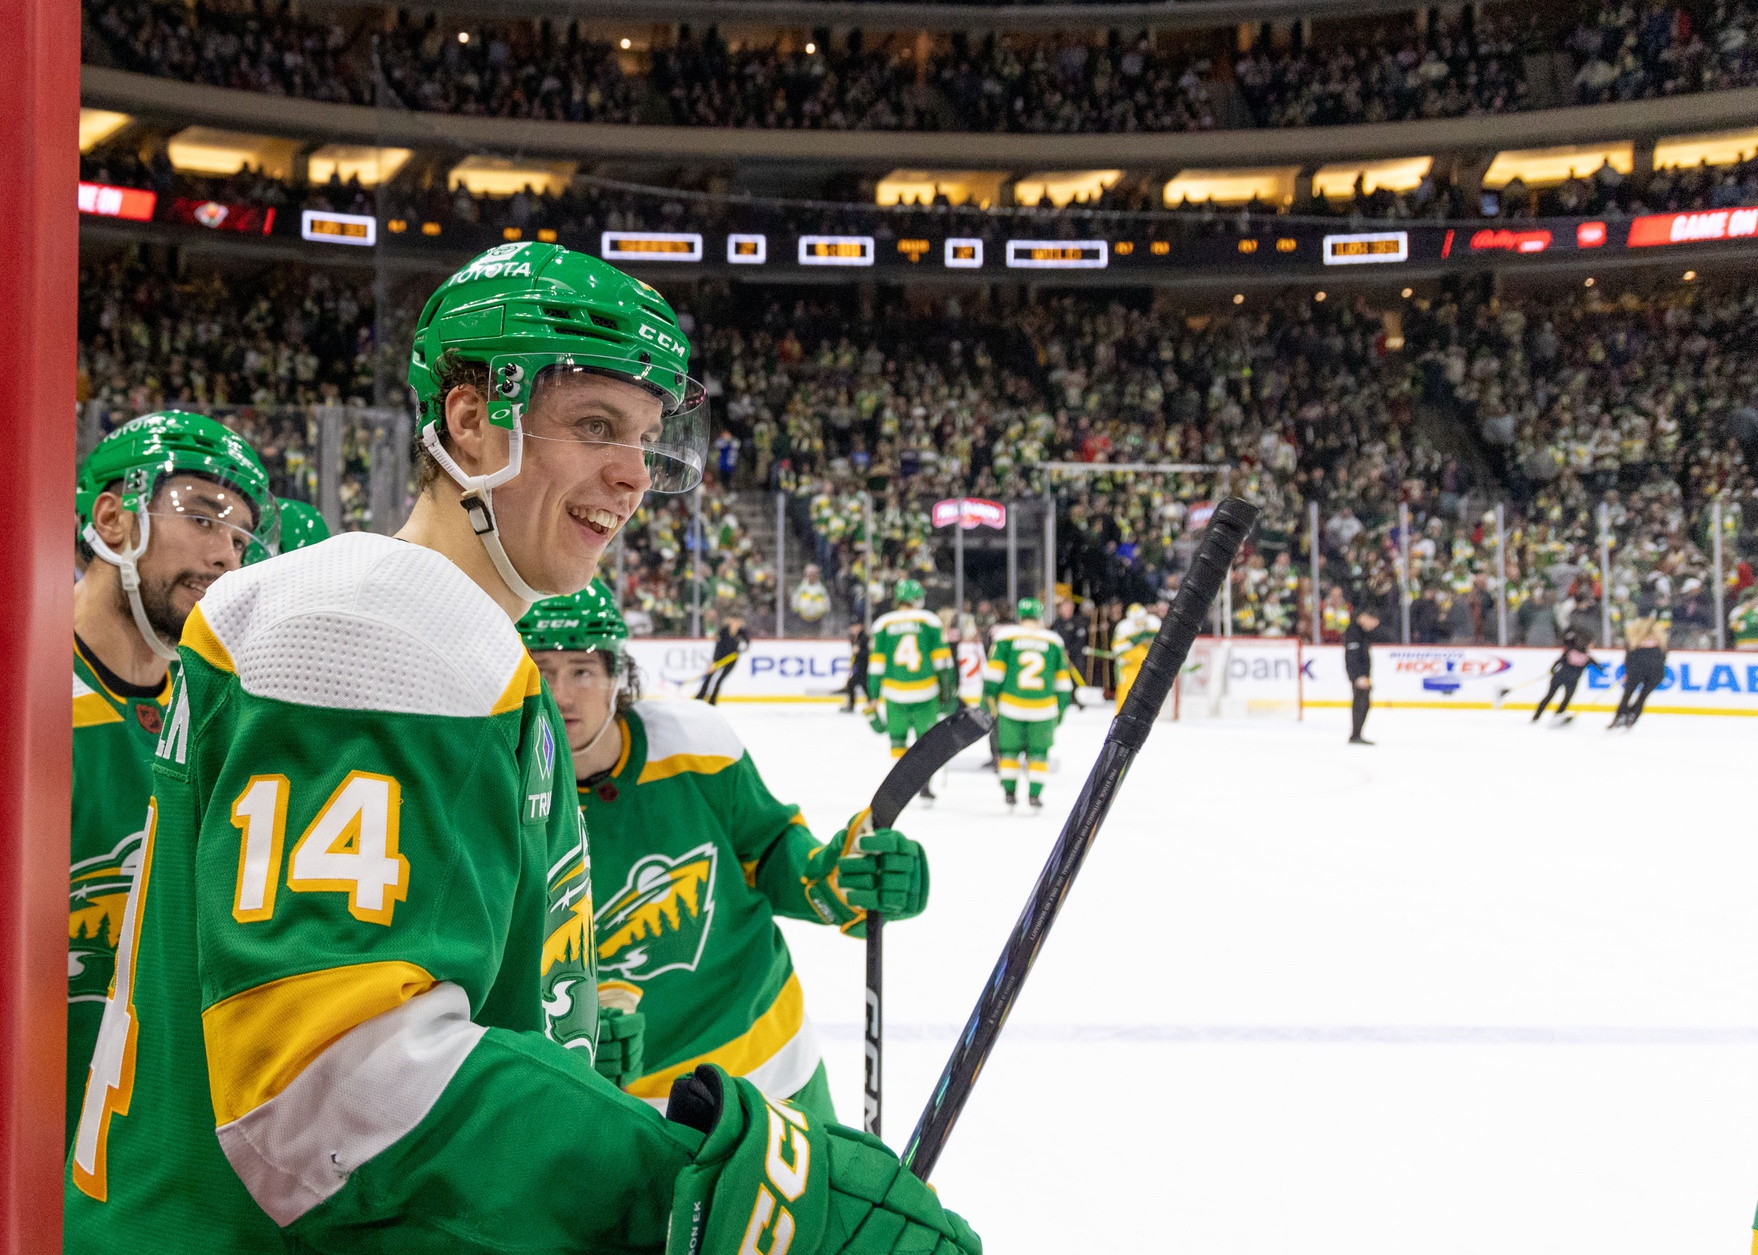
[[659, 920]]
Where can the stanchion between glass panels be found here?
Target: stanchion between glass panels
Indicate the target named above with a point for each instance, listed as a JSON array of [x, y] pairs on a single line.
[[1605, 583], [780, 565], [872, 572], [1404, 572], [696, 562], [1501, 576], [1312, 551], [1720, 598]]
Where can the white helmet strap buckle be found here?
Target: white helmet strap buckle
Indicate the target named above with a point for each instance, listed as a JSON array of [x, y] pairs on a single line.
[[127, 564]]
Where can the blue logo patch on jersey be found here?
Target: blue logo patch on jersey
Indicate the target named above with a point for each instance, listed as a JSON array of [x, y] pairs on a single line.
[[546, 749]]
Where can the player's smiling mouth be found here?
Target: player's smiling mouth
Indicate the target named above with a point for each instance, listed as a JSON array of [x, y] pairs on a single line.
[[597, 520]]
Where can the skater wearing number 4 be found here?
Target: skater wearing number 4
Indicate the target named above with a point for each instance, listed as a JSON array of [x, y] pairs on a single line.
[[1028, 680], [910, 670]]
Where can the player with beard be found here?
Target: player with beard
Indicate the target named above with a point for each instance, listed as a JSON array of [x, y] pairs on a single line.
[[167, 504], [355, 1001]]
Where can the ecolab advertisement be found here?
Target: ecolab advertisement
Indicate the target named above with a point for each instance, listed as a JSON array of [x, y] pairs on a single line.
[[769, 671], [1473, 677]]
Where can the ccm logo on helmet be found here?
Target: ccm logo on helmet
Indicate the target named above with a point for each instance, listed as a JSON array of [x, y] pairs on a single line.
[[668, 343]]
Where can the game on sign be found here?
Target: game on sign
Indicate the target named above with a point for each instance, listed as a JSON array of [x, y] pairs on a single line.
[[972, 511]]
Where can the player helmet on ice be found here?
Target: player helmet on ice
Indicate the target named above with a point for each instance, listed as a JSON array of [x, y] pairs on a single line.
[[533, 314], [1030, 610], [582, 621], [136, 461], [908, 593]]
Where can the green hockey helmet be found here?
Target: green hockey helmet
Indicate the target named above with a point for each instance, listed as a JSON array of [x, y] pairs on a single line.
[[589, 619], [136, 461], [534, 316], [908, 593], [535, 313], [302, 524], [1030, 608]]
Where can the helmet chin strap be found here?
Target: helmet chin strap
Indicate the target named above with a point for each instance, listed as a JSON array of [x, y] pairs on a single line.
[[127, 562], [478, 503], [610, 718]]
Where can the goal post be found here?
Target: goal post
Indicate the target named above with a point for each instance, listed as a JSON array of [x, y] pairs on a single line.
[[1241, 677]]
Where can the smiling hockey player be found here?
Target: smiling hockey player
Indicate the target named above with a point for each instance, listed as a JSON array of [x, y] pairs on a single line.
[[1028, 680], [692, 859], [355, 1000], [167, 504]]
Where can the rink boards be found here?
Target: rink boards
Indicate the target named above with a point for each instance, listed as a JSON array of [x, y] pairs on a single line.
[[1471, 677], [1428, 677]]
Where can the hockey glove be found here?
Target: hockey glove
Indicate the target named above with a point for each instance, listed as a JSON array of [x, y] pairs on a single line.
[[862, 870], [876, 717], [620, 1035], [948, 693], [768, 1178]]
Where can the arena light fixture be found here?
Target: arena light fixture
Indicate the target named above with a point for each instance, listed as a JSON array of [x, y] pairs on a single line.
[[1239, 298], [371, 166], [98, 125], [1063, 186], [1271, 184], [1690, 275], [498, 176], [204, 150], [1547, 167], [1587, 282], [811, 49], [1318, 296], [1712, 148], [1397, 174], [463, 37], [1407, 293], [626, 43], [908, 187]]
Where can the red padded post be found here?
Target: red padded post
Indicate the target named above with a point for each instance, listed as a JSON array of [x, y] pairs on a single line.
[[39, 269]]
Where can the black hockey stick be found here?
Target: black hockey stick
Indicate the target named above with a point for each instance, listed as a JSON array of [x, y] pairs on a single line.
[[932, 751], [1129, 731]]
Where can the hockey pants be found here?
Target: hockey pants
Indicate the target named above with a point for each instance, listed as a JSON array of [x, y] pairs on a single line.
[[903, 717], [1030, 740], [1564, 681]]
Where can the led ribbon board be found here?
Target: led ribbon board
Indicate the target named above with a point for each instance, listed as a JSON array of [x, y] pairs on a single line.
[[1366, 248], [133, 203], [650, 246], [329, 228], [747, 250], [836, 250], [1058, 254], [964, 254]]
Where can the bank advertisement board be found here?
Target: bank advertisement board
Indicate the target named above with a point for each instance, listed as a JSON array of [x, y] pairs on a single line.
[[1472, 677], [770, 670]]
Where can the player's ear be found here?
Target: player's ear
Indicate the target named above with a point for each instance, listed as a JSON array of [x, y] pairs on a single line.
[[114, 525], [467, 425]]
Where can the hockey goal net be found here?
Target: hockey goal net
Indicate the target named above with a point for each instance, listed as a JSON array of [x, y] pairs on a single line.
[[1241, 677]]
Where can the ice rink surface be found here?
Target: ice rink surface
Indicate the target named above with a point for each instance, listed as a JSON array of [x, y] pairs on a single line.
[[1482, 988]]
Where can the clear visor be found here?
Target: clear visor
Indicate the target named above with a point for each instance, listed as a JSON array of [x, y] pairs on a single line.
[[198, 513], [582, 399]]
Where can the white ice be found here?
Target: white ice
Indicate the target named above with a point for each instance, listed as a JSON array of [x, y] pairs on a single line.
[[1484, 987]]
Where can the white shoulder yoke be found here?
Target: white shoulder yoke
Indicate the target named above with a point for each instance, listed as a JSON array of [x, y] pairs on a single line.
[[364, 622], [683, 727]]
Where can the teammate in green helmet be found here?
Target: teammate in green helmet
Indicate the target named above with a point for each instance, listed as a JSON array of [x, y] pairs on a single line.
[[910, 669], [360, 1008], [672, 798], [166, 504], [1028, 684], [302, 524]]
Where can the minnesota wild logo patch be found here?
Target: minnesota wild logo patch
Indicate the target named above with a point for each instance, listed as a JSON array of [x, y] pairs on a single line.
[[659, 920]]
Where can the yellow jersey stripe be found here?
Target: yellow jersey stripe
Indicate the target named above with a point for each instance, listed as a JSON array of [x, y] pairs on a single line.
[[199, 638], [90, 709], [680, 764], [1032, 703], [527, 682], [750, 1050], [912, 686], [260, 1040]]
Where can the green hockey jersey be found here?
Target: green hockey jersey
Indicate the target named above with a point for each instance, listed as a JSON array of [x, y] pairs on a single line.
[[1027, 674], [692, 859], [114, 732], [908, 657], [1744, 622], [355, 1006]]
